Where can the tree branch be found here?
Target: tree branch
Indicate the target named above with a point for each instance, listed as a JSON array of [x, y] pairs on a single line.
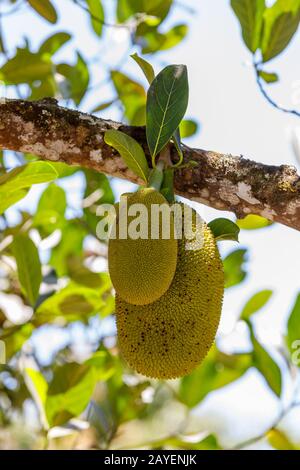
[[221, 181]]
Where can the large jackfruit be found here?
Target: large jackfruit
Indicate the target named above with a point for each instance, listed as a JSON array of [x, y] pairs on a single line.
[[170, 337], [142, 270]]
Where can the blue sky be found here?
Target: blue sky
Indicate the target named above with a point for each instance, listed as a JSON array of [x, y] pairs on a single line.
[[234, 119]]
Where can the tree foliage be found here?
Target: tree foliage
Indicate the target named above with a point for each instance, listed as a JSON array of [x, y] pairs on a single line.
[[53, 266]]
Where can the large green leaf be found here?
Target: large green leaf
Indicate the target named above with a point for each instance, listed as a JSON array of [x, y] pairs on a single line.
[[45, 9], [281, 22], [130, 150], [293, 326], [256, 302], [9, 199], [29, 266], [167, 101], [216, 371], [266, 365], [224, 229], [96, 14], [233, 267], [250, 15]]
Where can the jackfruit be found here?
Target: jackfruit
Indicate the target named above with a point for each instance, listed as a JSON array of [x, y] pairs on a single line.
[[170, 337], [142, 269]]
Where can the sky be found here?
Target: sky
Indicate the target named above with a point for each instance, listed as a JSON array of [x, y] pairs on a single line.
[[234, 118]]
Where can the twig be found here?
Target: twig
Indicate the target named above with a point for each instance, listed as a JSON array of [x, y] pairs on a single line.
[[268, 98]]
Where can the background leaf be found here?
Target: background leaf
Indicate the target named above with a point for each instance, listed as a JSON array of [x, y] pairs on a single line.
[[233, 267], [29, 266], [44, 8], [256, 302], [250, 15]]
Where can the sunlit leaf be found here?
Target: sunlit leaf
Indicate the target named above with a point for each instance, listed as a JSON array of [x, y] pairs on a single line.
[[293, 327], [250, 15], [145, 66], [266, 365], [188, 128], [130, 150], [26, 67], [281, 22], [279, 440], [132, 96], [216, 371], [77, 77], [29, 266], [97, 15], [268, 77], [253, 222], [233, 267], [255, 303], [53, 43]]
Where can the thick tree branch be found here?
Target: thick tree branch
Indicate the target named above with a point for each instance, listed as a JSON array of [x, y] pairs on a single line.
[[221, 181]]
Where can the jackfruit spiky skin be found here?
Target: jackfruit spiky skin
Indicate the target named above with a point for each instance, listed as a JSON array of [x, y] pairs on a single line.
[[142, 270], [170, 337]]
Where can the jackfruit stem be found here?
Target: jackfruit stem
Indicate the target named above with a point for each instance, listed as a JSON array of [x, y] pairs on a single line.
[[156, 176]]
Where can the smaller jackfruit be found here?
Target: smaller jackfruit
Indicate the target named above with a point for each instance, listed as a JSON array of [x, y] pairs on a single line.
[[142, 269], [170, 337]]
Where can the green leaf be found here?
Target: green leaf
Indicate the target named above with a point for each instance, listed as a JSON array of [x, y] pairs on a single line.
[[38, 387], [74, 302], [9, 199], [97, 191], [233, 267], [102, 106], [266, 365], [132, 96], [250, 15], [26, 175], [253, 222], [167, 101], [268, 77], [71, 244], [77, 79], [45, 9], [130, 150], [52, 44], [51, 209], [188, 128], [26, 67], [256, 302], [216, 371], [224, 229], [293, 326], [15, 341], [156, 41], [145, 66], [281, 22], [29, 266], [97, 15]]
